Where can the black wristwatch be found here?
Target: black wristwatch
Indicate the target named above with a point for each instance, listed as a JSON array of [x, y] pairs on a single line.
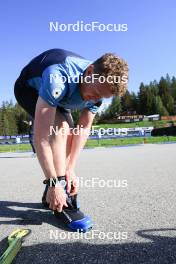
[[52, 182]]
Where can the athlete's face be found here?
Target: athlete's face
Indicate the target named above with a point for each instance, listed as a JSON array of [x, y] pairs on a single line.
[[94, 90]]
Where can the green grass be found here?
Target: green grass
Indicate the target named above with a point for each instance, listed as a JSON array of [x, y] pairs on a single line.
[[155, 124], [109, 142], [129, 141], [101, 143], [12, 148]]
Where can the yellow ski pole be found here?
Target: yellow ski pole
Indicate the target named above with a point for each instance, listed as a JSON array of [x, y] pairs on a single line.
[[15, 243]]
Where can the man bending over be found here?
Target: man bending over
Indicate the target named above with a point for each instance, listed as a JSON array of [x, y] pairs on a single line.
[[48, 88]]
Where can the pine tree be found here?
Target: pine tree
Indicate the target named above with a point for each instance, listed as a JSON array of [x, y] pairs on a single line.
[[142, 99], [114, 108], [127, 102], [159, 107], [163, 91]]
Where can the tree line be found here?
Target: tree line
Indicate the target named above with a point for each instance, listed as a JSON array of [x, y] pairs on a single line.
[[13, 119], [153, 98]]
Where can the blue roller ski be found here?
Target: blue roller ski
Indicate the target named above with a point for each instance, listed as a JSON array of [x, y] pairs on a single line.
[[71, 216]]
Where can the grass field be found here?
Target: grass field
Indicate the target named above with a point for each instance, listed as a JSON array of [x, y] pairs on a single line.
[[155, 124], [109, 142], [99, 143]]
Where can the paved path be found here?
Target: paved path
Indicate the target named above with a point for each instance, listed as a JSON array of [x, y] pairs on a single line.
[[134, 220]]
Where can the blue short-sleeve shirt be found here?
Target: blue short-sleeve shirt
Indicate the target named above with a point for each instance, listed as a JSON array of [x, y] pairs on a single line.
[[55, 74]]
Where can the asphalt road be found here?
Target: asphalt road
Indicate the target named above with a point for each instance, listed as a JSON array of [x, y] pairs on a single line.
[[130, 193]]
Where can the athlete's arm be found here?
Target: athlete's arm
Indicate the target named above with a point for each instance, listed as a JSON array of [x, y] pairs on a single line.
[[44, 118]]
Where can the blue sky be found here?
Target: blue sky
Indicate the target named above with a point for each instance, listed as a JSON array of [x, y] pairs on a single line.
[[148, 45]]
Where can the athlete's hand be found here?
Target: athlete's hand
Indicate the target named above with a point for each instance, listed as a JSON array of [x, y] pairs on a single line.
[[56, 198], [72, 182]]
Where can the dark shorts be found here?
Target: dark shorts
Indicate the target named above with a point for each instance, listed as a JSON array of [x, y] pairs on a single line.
[[27, 98]]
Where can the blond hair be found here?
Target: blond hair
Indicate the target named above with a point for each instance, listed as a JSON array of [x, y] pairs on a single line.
[[111, 65]]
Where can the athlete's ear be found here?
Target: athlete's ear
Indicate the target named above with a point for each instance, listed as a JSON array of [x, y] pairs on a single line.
[[90, 70]]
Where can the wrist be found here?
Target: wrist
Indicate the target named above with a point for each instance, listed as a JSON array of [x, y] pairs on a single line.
[[54, 181]]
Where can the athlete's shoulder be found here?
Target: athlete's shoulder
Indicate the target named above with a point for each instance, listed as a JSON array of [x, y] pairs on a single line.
[[58, 55], [49, 57]]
